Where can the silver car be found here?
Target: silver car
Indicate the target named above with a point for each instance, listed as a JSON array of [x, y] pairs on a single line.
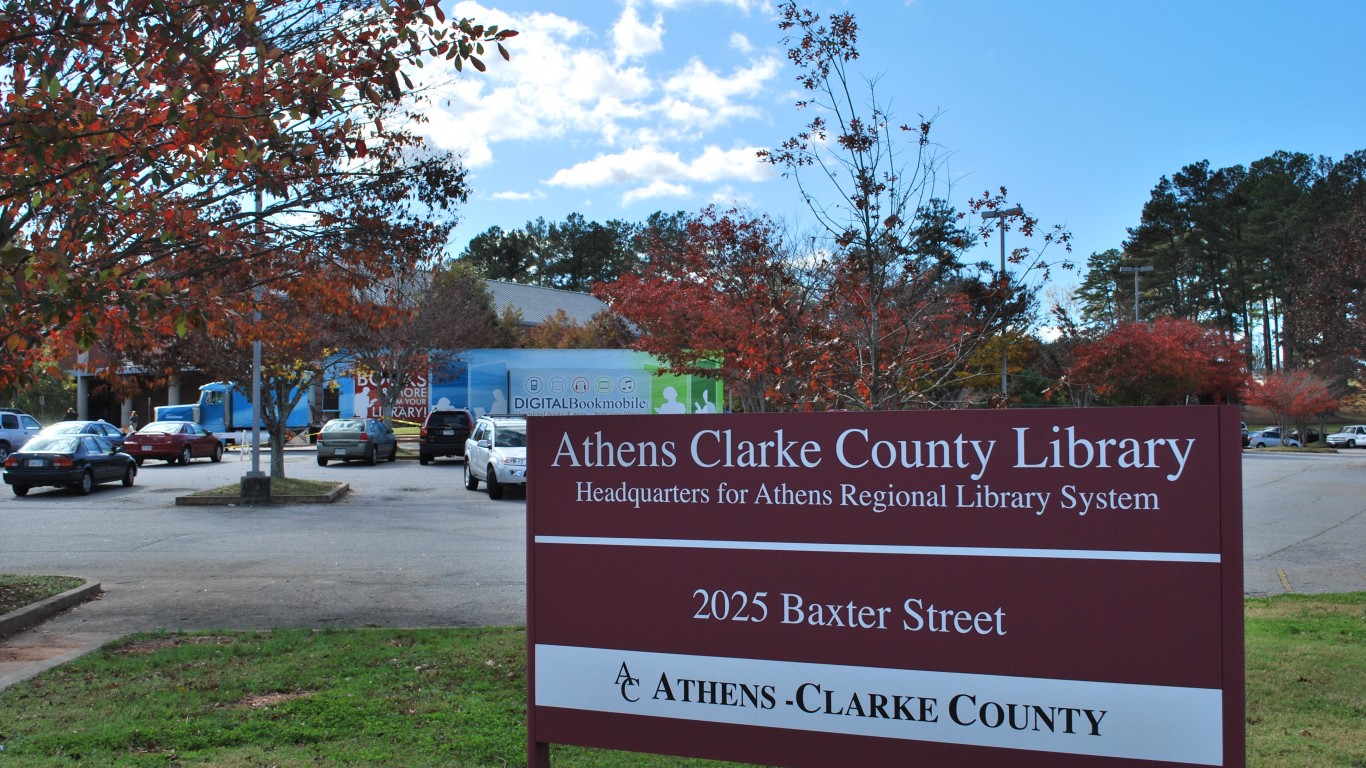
[[1348, 437], [496, 454], [1271, 438], [347, 439]]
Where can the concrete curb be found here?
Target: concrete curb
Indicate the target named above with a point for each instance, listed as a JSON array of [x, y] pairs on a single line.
[[42, 610], [222, 501]]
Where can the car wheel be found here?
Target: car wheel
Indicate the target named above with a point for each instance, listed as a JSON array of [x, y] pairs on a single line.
[[185, 456], [4, 451], [471, 482], [322, 462], [1351, 443], [373, 458], [217, 454], [393, 455], [495, 488], [86, 485], [423, 459], [20, 490], [128, 476]]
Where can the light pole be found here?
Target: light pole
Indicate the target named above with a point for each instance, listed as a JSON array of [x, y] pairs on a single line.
[[1135, 270], [1001, 216]]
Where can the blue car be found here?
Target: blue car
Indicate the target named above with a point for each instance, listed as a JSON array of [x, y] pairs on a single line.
[[77, 462], [99, 427]]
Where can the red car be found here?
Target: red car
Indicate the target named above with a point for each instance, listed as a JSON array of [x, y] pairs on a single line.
[[173, 441]]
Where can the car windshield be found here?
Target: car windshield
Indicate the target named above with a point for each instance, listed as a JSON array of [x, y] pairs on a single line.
[[510, 437], [165, 427], [447, 419], [344, 425], [52, 445]]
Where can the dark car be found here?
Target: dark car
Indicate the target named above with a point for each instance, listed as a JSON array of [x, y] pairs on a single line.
[[75, 461], [173, 442], [100, 428], [443, 434], [347, 439], [1310, 436]]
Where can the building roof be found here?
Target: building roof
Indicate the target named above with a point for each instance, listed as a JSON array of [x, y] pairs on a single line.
[[537, 304]]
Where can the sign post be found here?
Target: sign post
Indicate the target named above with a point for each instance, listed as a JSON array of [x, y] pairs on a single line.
[[1034, 588]]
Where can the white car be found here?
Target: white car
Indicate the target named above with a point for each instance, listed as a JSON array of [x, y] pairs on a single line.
[[1270, 438], [496, 454], [1348, 437]]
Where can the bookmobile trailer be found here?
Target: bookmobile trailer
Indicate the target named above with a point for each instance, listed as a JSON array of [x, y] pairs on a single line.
[[529, 382]]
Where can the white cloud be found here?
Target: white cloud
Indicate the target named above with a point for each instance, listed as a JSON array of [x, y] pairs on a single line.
[[727, 196], [518, 196], [703, 97], [634, 39], [593, 92], [656, 165], [655, 189]]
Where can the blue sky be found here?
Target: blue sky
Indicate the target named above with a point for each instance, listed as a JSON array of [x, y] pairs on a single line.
[[618, 108]]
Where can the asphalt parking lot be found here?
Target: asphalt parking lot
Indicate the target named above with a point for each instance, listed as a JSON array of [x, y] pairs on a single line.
[[409, 546]]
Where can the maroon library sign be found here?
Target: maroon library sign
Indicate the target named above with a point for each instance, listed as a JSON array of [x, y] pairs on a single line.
[[1057, 587]]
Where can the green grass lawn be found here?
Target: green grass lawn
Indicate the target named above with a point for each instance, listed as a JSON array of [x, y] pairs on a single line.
[[456, 697]]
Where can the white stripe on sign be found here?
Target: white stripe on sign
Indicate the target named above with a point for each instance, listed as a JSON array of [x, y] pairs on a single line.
[[1139, 722], [885, 549]]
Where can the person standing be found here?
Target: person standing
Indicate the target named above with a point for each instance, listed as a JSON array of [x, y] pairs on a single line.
[[132, 422], [70, 414]]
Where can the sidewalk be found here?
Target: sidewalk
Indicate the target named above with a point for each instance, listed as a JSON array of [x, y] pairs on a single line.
[[28, 646]]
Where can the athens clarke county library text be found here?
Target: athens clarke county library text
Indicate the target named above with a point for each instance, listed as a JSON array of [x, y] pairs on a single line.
[[858, 448]]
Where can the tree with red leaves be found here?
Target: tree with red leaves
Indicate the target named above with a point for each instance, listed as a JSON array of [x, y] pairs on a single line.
[[1169, 362], [722, 289], [165, 163], [1293, 397]]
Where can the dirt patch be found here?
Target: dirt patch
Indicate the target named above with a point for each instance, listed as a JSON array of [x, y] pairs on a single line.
[[256, 701], [162, 643], [37, 653]]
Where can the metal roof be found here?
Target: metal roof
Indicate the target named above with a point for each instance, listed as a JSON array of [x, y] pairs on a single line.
[[537, 304]]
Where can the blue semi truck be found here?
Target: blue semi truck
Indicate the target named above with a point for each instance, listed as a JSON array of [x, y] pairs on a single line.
[[226, 412]]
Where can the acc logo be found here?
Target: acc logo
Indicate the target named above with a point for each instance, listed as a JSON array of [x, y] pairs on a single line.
[[627, 683]]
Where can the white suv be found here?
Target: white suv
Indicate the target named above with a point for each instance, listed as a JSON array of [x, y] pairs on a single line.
[[16, 428], [496, 453]]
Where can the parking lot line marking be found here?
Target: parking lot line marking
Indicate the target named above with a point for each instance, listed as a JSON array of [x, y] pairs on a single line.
[[1285, 582]]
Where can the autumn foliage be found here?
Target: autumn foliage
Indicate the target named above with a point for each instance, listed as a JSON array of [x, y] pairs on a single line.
[[1292, 397], [165, 163], [1168, 362]]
